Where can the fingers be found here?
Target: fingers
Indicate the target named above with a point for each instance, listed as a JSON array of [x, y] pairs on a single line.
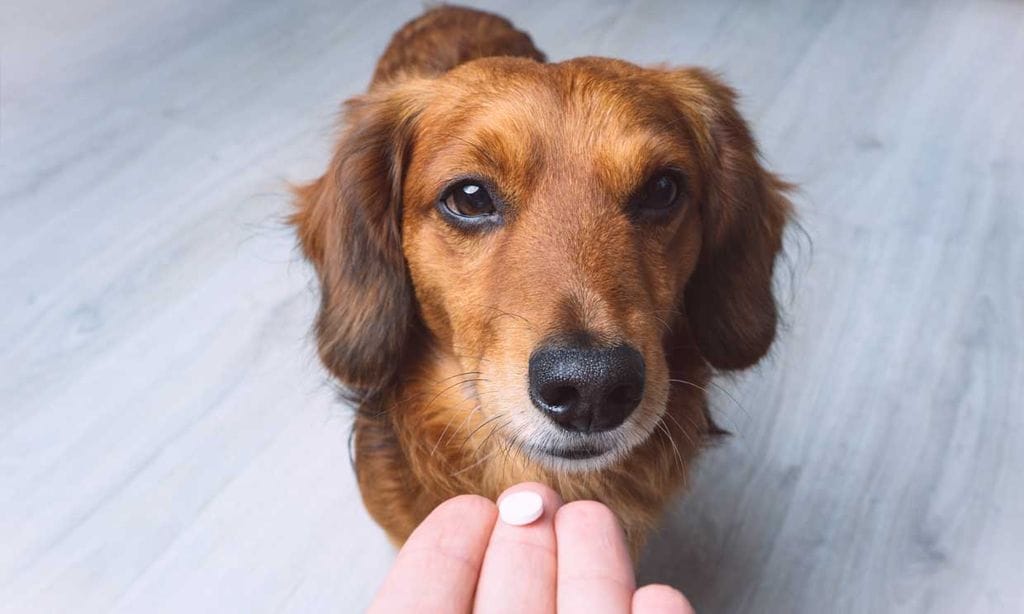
[[595, 574], [518, 573], [660, 599], [437, 568]]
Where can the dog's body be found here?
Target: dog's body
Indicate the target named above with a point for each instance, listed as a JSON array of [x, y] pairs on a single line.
[[441, 314]]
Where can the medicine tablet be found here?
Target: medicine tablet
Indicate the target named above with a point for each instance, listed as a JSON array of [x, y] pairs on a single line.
[[521, 508]]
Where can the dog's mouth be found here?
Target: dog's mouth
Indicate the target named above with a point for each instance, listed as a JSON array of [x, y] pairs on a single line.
[[580, 453], [572, 457]]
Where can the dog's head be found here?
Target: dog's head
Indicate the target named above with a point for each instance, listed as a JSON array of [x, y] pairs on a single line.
[[559, 229]]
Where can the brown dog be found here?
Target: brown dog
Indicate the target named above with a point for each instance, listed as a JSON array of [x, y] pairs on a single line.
[[529, 271]]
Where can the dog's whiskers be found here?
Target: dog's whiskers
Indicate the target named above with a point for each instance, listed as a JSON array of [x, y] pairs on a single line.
[[515, 449], [459, 428], [494, 429], [426, 407], [682, 430], [510, 442], [663, 428], [476, 409], [666, 325], [469, 437], [706, 391], [502, 312], [473, 380]]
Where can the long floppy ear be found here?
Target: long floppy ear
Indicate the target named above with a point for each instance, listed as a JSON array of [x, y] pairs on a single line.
[[348, 222], [729, 299]]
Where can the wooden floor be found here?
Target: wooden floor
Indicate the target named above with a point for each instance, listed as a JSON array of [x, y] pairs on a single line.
[[168, 441]]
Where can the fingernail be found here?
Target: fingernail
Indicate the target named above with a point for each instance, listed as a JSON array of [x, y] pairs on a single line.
[[521, 508]]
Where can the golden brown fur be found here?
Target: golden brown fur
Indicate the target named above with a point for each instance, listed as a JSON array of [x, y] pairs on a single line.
[[431, 328]]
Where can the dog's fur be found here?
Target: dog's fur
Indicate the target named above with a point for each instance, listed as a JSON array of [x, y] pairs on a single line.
[[431, 328]]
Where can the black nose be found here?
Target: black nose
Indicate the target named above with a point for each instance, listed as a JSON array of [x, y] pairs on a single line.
[[586, 389]]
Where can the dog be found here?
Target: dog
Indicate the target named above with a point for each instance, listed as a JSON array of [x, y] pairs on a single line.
[[532, 270]]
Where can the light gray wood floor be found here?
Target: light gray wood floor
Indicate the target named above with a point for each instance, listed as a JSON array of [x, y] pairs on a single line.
[[168, 441]]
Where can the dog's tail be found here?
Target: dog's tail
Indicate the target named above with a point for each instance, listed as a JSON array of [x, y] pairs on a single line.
[[446, 36]]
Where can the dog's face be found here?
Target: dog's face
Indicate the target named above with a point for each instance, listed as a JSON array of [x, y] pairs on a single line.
[[549, 226], [560, 231]]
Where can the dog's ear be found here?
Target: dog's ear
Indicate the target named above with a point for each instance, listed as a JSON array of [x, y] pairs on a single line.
[[349, 226], [729, 299]]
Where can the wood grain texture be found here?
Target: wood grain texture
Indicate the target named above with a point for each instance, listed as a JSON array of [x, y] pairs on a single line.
[[168, 441]]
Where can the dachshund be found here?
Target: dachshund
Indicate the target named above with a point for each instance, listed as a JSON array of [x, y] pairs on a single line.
[[532, 270]]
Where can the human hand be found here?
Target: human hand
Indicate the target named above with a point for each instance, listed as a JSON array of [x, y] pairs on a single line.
[[573, 559]]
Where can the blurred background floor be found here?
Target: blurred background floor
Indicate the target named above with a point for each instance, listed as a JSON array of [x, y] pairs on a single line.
[[168, 441]]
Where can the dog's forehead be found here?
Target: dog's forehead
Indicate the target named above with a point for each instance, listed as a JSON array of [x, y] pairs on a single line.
[[518, 119], [591, 96]]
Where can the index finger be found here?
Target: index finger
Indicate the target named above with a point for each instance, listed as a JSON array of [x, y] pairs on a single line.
[[519, 569], [437, 568]]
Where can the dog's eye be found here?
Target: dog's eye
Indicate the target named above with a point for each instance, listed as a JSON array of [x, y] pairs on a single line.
[[660, 193], [469, 200]]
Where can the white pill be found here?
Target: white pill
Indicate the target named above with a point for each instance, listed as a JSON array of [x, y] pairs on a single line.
[[521, 508]]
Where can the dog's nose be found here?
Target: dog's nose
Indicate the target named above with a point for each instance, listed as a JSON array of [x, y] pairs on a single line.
[[586, 389]]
